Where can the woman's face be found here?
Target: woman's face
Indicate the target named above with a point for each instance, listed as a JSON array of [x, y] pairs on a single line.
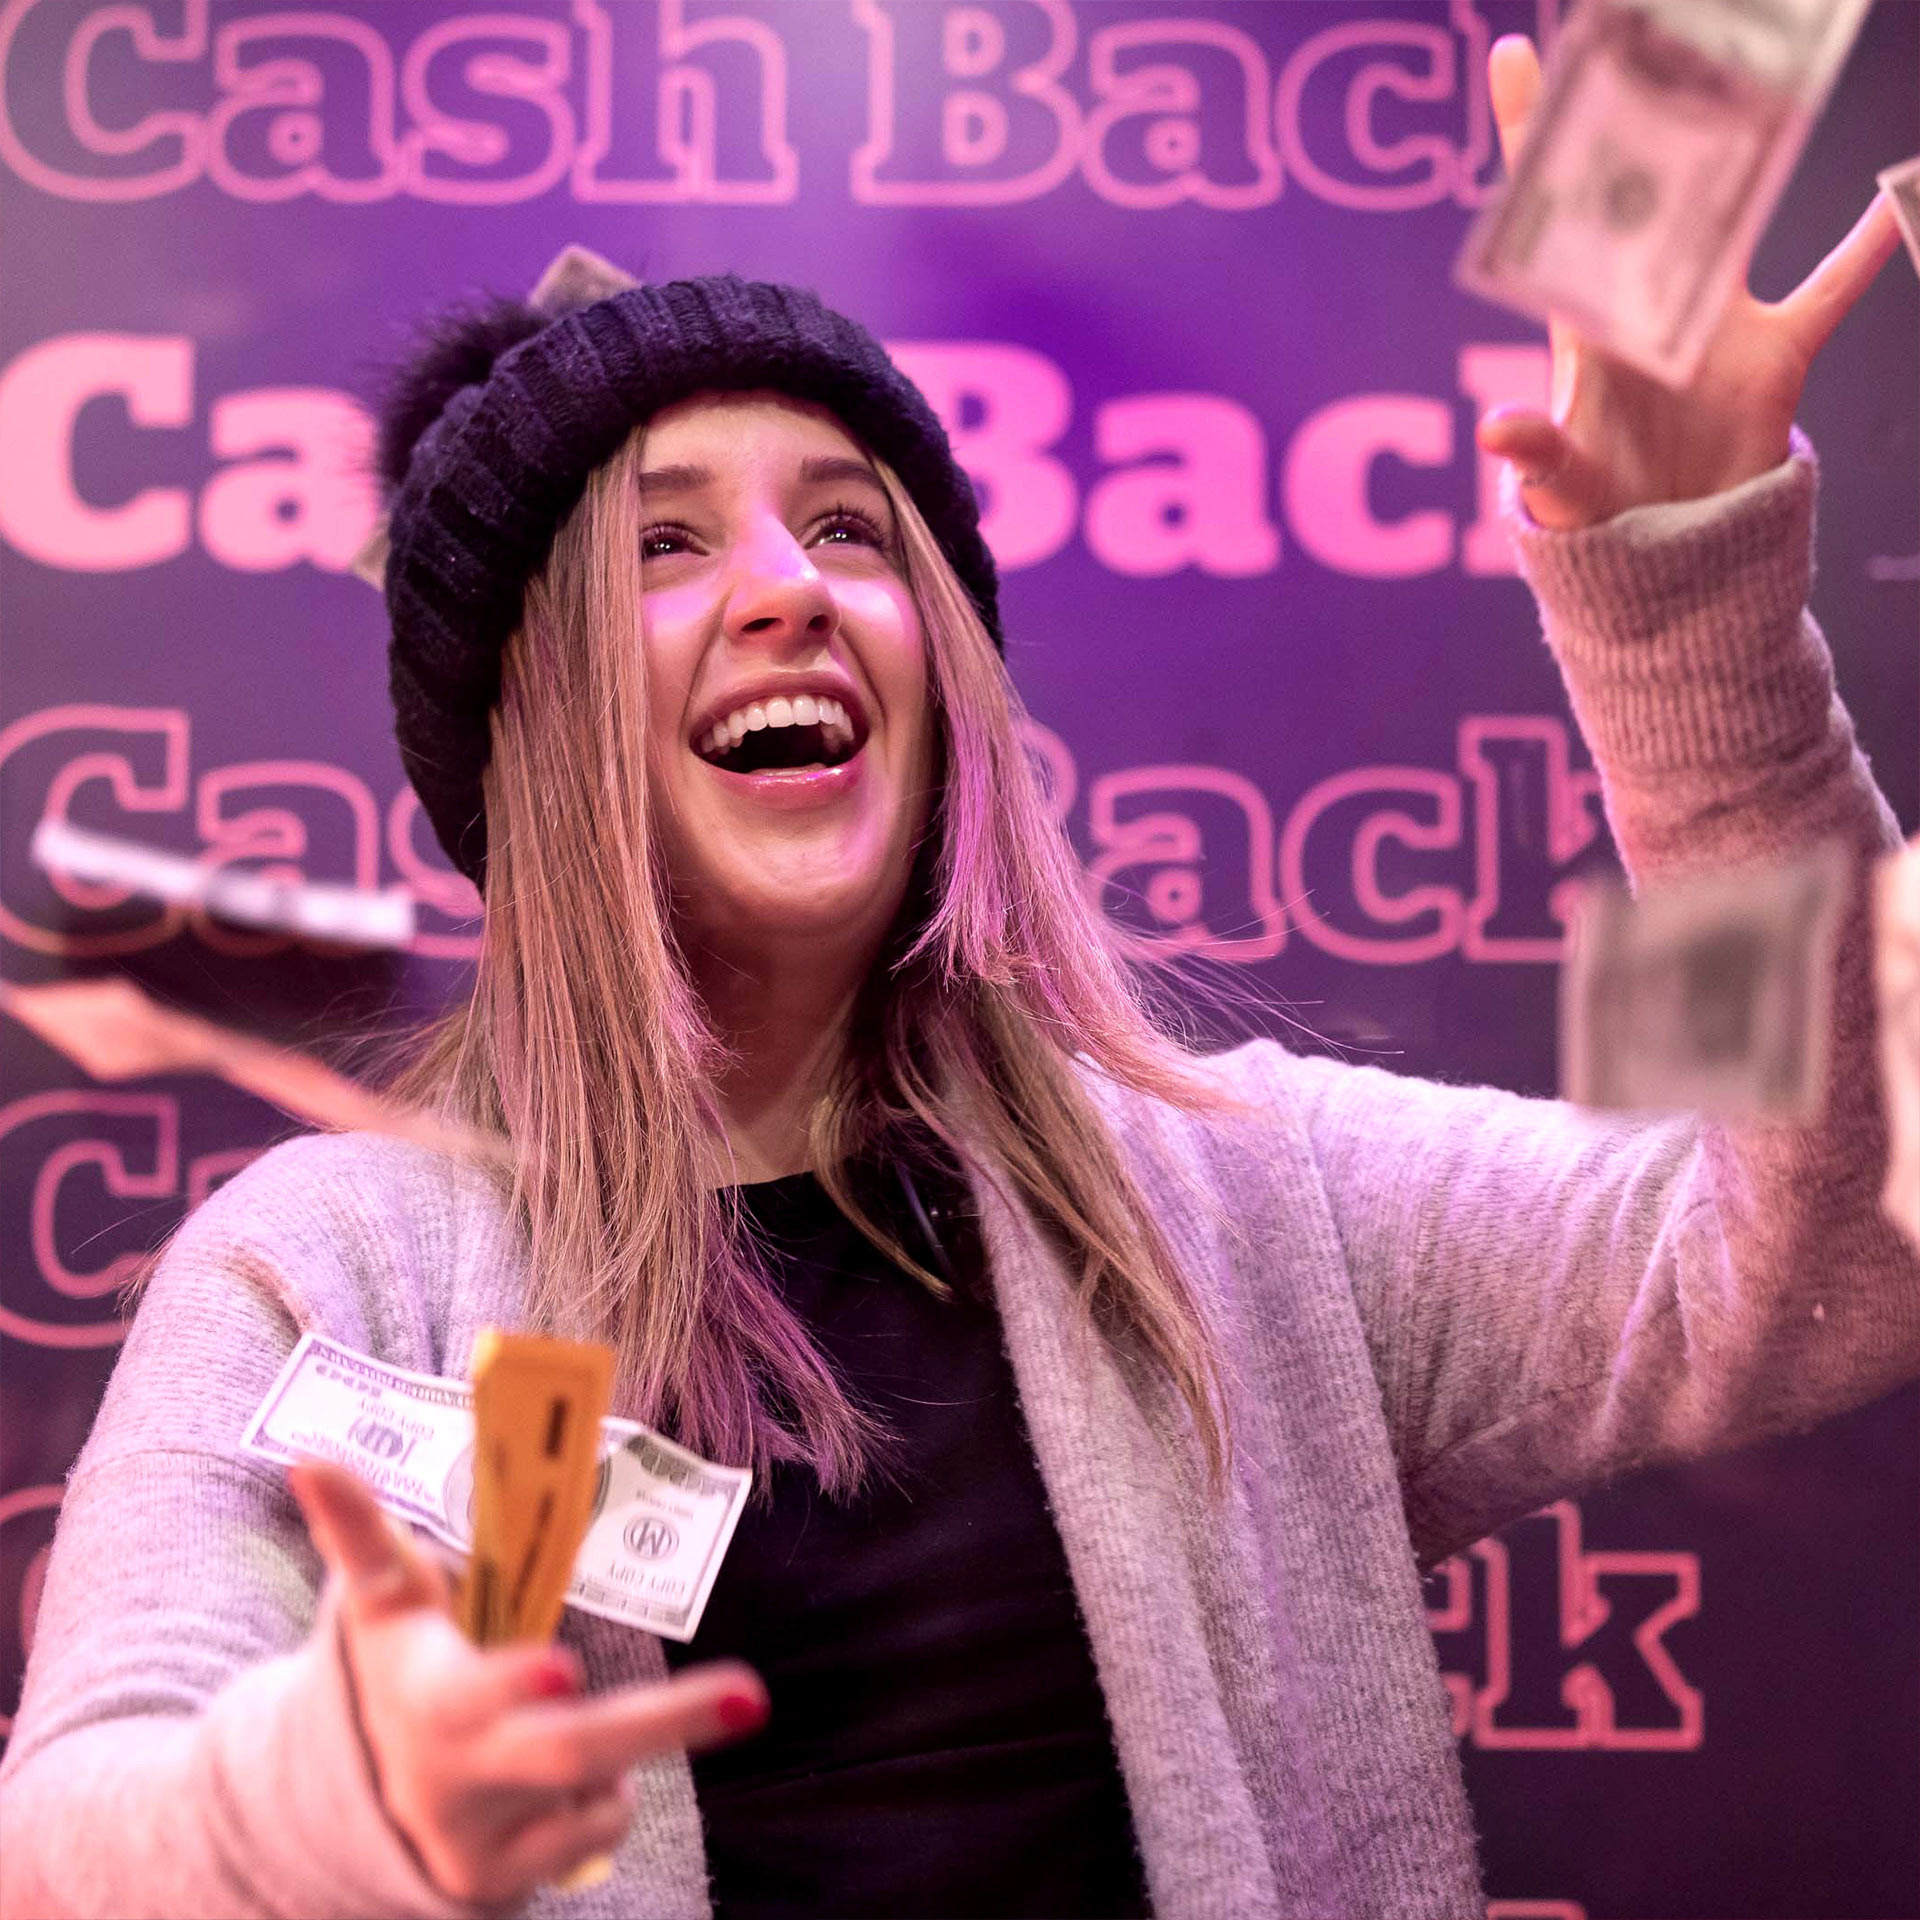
[[791, 746]]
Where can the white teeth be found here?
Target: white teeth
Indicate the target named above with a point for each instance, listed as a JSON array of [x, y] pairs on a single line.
[[801, 710]]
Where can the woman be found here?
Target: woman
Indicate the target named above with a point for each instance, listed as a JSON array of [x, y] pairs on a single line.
[[1085, 1574]]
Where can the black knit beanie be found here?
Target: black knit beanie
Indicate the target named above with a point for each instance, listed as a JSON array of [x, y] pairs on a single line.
[[486, 442]]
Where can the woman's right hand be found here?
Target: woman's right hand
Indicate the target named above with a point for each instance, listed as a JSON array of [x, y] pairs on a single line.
[[1616, 438], [490, 1762]]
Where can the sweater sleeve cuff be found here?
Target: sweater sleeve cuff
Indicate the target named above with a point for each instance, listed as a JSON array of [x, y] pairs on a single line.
[[1679, 626], [294, 1782]]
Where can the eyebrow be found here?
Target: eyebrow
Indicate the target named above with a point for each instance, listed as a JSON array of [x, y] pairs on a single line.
[[815, 469]]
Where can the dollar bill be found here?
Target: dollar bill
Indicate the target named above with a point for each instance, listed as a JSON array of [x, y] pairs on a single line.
[[1662, 141], [662, 1517], [1712, 997], [116, 1032], [1901, 185], [350, 916], [409, 1436], [1896, 966]]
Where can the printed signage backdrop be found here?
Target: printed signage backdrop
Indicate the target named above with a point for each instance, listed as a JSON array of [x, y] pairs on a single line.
[[1177, 274]]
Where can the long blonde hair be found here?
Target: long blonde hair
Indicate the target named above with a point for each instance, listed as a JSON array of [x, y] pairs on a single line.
[[585, 1043]]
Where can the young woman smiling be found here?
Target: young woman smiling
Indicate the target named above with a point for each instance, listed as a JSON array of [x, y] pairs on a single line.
[[1103, 1401]]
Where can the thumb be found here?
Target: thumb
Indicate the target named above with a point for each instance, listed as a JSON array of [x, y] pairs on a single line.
[[1561, 487], [379, 1572]]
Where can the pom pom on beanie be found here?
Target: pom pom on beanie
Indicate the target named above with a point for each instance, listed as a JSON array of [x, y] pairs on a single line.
[[458, 351]]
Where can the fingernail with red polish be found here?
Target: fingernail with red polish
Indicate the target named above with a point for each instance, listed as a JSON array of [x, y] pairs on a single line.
[[741, 1712], [555, 1682]]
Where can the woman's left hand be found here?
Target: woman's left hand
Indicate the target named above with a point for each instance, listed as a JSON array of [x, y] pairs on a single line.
[[1617, 438]]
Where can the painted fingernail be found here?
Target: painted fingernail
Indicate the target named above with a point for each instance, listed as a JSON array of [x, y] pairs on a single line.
[[555, 1682], [741, 1712]]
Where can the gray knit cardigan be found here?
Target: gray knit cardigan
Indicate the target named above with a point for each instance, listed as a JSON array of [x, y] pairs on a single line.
[[1441, 1307]]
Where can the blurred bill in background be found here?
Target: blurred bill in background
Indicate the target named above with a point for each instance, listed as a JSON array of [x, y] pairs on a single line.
[[1663, 139], [1713, 997], [114, 1031], [1901, 185], [346, 916], [1896, 966]]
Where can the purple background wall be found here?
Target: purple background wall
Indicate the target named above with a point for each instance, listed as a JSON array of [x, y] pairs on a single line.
[[1183, 288]]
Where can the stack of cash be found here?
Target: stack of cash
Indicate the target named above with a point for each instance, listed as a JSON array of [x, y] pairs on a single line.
[[537, 1409]]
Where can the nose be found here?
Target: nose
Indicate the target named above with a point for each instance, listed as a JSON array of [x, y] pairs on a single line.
[[778, 596]]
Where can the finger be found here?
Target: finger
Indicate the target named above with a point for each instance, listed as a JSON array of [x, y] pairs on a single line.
[[599, 1739], [558, 1844], [1823, 299], [1534, 445], [1513, 85], [1561, 487], [380, 1573], [501, 1679], [469, 1693]]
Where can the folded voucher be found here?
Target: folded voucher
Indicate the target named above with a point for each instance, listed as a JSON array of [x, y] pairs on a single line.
[[662, 1517]]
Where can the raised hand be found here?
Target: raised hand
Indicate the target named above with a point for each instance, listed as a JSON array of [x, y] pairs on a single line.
[[491, 1763], [1616, 438]]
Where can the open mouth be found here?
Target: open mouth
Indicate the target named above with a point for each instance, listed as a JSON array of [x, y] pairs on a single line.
[[801, 735]]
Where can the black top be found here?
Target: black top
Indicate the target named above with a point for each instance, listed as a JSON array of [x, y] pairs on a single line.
[[938, 1744]]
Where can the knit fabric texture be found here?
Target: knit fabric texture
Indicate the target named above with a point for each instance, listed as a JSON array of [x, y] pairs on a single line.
[[491, 480], [1441, 1307]]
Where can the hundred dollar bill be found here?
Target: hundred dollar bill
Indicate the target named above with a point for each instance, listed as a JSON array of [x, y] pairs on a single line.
[[1896, 966], [1901, 185], [662, 1517], [353, 916], [409, 1436], [1662, 141], [1712, 997]]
